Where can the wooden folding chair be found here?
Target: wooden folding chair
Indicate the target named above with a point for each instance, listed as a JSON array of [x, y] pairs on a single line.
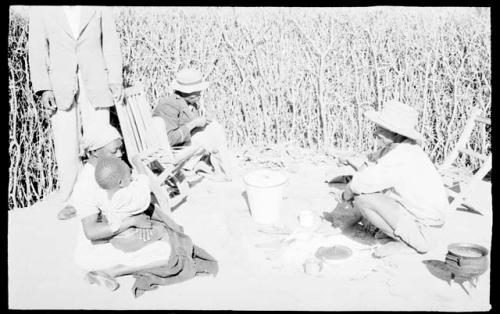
[[142, 137], [465, 183]]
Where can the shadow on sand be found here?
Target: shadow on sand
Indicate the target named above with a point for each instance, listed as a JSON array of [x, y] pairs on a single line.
[[245, 197], [440, 270], [347, 219]]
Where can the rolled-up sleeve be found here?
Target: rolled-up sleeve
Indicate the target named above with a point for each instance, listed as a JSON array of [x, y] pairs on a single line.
[[380, 176], [169, 112]]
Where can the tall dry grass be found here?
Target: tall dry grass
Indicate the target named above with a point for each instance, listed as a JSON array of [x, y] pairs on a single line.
[[302, 76]]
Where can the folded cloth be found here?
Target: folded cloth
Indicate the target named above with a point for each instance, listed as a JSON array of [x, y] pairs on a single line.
[[186, 261]]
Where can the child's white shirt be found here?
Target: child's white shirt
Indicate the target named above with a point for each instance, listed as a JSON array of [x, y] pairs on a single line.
[[130, 200]]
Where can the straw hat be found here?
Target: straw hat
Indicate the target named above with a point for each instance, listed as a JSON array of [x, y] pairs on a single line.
[[397, 117], [188, 81]]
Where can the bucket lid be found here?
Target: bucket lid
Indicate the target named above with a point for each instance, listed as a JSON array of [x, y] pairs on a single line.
[[265, 178]]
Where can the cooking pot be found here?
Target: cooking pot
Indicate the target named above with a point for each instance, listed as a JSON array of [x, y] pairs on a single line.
[[467, 259]]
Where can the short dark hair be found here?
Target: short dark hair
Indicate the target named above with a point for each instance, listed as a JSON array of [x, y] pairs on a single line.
[[109, 172]]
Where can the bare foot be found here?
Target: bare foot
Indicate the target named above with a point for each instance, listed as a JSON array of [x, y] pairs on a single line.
[[382, 237], [102, 279], [393, 247], [66, 213]]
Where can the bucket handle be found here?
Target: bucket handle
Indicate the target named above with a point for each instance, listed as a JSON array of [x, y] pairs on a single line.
[[454, 258]]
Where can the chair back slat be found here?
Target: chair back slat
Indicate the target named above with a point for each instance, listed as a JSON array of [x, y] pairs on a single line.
[[139, 124], [134, 114], [130, 137], [136, 121]]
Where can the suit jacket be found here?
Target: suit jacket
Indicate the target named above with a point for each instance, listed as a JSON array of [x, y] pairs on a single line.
[[55, 54], [175, 111]]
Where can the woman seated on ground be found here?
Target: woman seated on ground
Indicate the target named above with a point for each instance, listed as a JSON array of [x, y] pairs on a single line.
[[186, 125], [94, 254], [400, 192]]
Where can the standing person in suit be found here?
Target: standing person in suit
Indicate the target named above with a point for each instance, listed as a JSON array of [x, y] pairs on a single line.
[[76, 67]]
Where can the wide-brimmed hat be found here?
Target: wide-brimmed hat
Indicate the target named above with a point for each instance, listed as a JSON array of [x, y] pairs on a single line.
[[397, 117], [189, 81]]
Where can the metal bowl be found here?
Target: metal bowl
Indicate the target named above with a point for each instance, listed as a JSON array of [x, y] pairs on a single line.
[[467, 259], [468, 250], [333, 253]]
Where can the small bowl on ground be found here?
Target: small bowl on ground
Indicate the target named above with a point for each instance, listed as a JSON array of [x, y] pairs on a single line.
[[333, 254], [467, 259]]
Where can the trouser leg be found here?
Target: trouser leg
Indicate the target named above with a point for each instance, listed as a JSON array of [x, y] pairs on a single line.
[[91, 117], [65, 132], [70, 126]]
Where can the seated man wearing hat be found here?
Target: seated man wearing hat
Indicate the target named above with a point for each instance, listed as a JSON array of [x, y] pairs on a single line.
[[400, 192], [185, 125]]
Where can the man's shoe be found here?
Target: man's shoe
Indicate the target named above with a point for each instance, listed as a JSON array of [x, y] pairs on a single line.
[[67, 213], [102, 279]]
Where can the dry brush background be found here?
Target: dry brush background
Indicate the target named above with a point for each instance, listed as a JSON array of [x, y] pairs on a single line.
[[300, 76]]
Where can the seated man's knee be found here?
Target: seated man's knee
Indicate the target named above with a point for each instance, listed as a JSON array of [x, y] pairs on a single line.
[[158, 123], [409, 232], [363, 201]]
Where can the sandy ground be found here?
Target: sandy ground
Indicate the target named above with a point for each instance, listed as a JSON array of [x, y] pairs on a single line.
[[42, 274]]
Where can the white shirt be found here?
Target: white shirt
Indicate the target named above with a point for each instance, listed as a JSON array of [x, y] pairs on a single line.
[[130, 200], [412, 179], [73, 16]]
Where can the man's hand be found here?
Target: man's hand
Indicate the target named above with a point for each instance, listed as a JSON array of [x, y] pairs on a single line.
[[136, 162], [116, 92], [49, 101], [145, 234], [197, 122], [339, 174], [357, 162], [209, 116], [347, 195]]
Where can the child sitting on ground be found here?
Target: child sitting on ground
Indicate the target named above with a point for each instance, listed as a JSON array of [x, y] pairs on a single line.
[[127, 196]]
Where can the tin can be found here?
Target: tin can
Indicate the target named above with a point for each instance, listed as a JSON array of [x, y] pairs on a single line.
[[313, 266]]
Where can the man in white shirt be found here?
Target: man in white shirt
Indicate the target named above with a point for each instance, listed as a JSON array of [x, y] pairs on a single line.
[[401, 192], [75, 65]]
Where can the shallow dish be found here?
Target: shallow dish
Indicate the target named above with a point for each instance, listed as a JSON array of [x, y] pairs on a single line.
[[334, 253]]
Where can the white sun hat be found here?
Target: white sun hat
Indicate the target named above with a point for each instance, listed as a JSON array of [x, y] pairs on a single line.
[[189, 81], [99, 135], [397, 117]]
